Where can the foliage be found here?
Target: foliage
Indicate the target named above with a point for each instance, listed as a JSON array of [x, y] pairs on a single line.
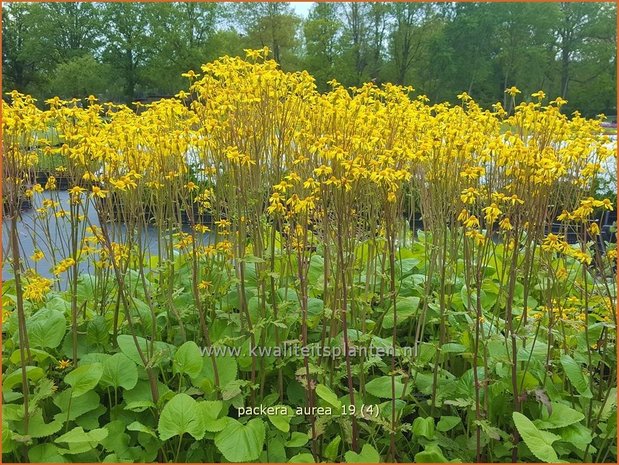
[[286, 310], [563, 48]]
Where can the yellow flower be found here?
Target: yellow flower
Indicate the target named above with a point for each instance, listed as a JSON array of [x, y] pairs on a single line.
[[463, 216], [471, 222], [191, 74], [37, 288], [37, 255], [492, 213], [98, 192], [63, 266], [554, 242], [512, 91], [594, 229], [201, 228], [63, 364], [223, 223], [76, 192], [505, 224], [51, 183], [582, 257], [469, 195]]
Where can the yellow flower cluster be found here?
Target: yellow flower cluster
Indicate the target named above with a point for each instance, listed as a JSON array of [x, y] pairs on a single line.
[[246, 138], [37, 287], [63, 265]]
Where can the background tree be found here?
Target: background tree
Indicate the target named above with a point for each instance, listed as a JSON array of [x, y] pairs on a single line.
[[321, 32], [128, 43], [135, 50], [271, 24]]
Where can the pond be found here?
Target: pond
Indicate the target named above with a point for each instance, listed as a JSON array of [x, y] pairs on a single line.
[[52, 236]]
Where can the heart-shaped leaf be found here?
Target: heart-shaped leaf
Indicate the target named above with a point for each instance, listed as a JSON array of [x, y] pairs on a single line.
[[367, 455], [180, 416], [381, 387], [188, 359], [241, 443], [119, 371], [84, 378], [46, 328]]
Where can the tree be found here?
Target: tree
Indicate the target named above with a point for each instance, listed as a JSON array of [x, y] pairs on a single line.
[[180, 34], [354, 42], [270, 24], [321, 31], [524, 52], [81, 77], [377, 31], [21, 56], [69, 29], [412, 29], [586, 42], [128, 43]]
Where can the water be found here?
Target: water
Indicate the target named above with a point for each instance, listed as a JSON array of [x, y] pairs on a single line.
[[53, 237]]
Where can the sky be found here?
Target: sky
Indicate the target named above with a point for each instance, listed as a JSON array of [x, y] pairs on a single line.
[[301, 8]]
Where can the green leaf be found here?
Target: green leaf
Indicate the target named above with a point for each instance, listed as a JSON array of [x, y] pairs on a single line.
[[188, 359], [8, 444], [97, 332], [73, 408], [46, 328], [210, 411], [303, 457], [37, 428], [381, 387], [117, 440], [15, 377], [577, 435], [78, 436], [538, 442], [137, 426], [226, 370], [276, 452], [324, 392], [282, 422], [406, 307], [367, 455], [297, 439], [575, 375], [447, 423], [36, 354], [423, 427], [561, 416], [180, 416], [45, 453], [331, 451], [84, 378], [452, 347], [119, 371], [127, 346], [241, 443], [431, 454]]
